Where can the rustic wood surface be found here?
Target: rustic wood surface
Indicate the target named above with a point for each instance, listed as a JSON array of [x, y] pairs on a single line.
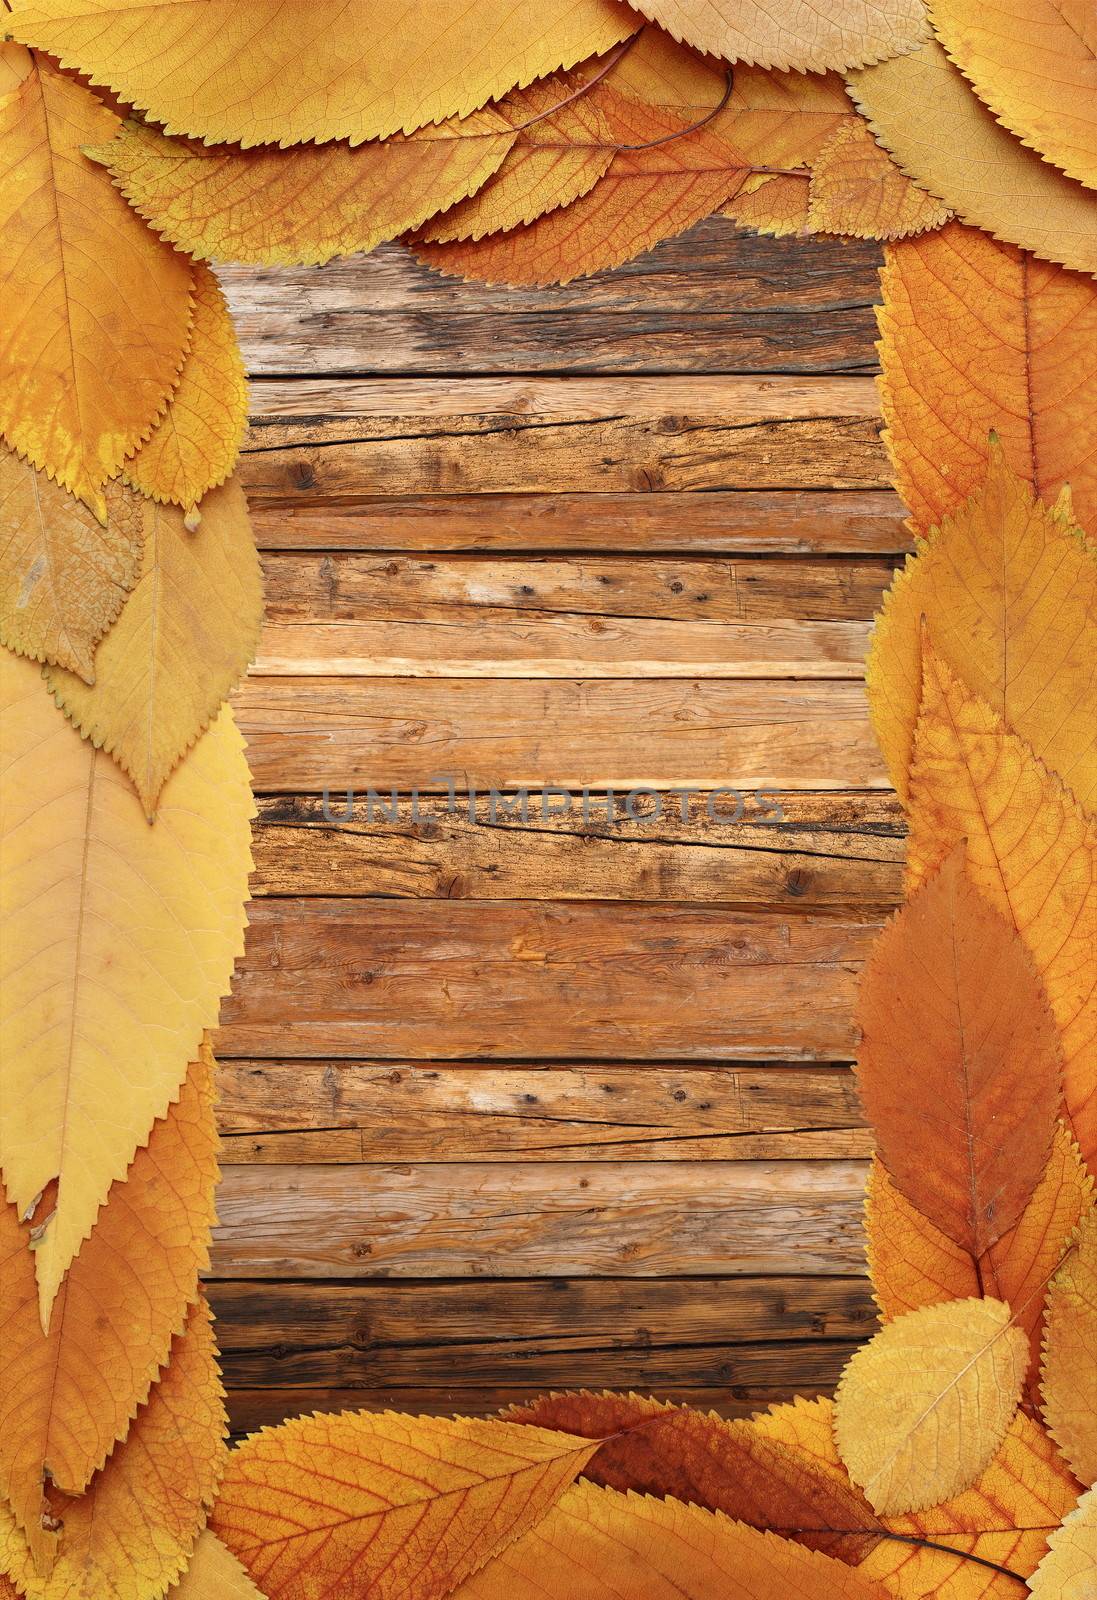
[[528, 1090]]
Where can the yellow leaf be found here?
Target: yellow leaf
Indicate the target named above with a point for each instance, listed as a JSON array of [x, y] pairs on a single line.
[[924, 1406], [1035, 66], [1066, 1572], [304, 205], [130, 1536], [406, 1505], [1011, 588], [213, 1574], [194, 446], [793, 33], [597, 1544], [94, 309], [120, 941], [980, 336], [1070, 1354], [1031, 852], [922, 109], [263, 74], [857, 189], [185, 636], [63, 576], [66, 1398], [779, 205]]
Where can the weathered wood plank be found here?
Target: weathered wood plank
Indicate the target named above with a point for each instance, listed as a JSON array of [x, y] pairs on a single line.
[[537, 1219], [787, 521], [716, 299], [317, 1112], [509, 980], [325, 439], [825, 850], [315, 733]]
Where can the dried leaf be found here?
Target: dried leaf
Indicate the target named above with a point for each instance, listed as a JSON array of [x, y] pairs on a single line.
[[779, 205], [914, 1264], [262, 74], [63, 576], [950, 999], [94, 309], [120, 942], [1011, 587], [213, 1574], [304, 205], [1031, 853], [1066, 1572], [405, 1504], [596, 1544], [1070, 1354], [734, 1467], [131, 1534], [856, 189], [793, 33], [66, 1398], [185, 636], [194, 446], [924, 1406], [980, 336], [922, 109], [1035, 66]]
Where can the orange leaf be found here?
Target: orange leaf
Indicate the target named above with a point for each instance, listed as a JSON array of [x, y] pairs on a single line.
[[857, 189], [262, 74], [94, 309], [66, 1397], [950, 999], [980, 336], [404, 1505], [1070, 1354], [131, 1534], [790, 33]]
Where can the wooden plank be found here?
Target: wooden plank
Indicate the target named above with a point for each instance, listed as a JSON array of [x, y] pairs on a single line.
[[510, 980], [348, 1112], [825, 850], [325, 439], [716, 299], [316, 733], [537, 1219], [788, 521]]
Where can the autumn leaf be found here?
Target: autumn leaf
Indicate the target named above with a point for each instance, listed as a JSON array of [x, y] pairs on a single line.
[[1011, 586], [66, 1398], [1035, 66], [980, 336], [304, 205], [94, 309], [857, 190], [1070, 1354], [735, 1467], [184, 638], [922, 110], [1031, 853], [214, 1573], [597, 1544], [194, 446], [405, 1505], [131, 1534], [1066, 1572], [950, 999], [791, 33], [924, 1406], [264, 75], [780, 205], [63, 576], [120, 942], [912, 1263]]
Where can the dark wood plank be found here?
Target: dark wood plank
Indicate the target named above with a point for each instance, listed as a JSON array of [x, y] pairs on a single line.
[[509, 980], [314, 1112], [540, 1220], [825, 850]]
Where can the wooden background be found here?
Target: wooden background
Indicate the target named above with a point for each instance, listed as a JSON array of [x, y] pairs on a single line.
[[512, 1107]]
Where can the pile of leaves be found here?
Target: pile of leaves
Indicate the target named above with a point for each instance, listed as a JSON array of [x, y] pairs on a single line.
[[531, 143]]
